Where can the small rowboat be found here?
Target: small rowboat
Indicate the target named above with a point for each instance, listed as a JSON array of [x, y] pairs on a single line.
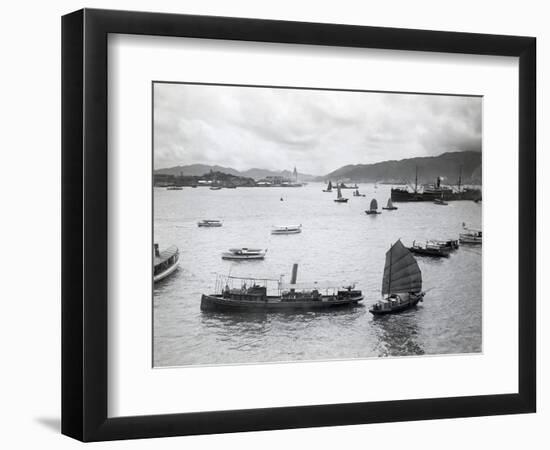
[[208, 223], [287, 229], [244, 254]]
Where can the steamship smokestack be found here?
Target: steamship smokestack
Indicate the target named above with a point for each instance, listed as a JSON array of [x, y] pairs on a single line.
[[294, 274]]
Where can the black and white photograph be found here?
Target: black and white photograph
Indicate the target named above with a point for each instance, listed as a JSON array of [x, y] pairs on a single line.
[[297, 224]]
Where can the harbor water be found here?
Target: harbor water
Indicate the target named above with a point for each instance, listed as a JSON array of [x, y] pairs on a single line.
[[339, 243]]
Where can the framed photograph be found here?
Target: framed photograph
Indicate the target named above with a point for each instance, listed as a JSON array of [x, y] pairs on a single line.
[[273, 224]]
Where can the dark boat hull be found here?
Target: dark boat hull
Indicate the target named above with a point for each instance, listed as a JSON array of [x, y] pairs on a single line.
[[220, 303], [401, 195], [394, 309], [341, 200], [442, 253]]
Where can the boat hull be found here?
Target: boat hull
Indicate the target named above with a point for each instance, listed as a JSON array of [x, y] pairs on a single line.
[[230, 256], [341, 200], [470, 241], [220, 303], [434, 253], [397, 308], [166, 273], [372, 213], [401, 195]]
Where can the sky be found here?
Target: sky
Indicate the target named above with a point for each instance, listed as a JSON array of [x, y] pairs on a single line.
[[317, 131]]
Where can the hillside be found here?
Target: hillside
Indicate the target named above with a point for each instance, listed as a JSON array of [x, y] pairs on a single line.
[[446, 165], [201, 169]]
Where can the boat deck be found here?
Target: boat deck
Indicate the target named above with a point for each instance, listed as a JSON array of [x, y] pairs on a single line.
[[165, 255]]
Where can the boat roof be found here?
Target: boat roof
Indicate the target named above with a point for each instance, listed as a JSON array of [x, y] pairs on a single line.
[[166, 254], [210, 220], [317, 285], [288, 226]]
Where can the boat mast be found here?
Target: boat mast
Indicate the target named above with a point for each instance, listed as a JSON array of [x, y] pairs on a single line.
[[459, 178], [416, 181], [389, 274]]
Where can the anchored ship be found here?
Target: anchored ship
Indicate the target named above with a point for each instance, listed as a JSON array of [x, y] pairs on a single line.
[[253, 294], [435, 192]]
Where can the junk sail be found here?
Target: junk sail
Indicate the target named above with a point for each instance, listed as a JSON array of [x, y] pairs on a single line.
[[329, 187], [390, 204], [401, 272], [339, 192], [373, 205]]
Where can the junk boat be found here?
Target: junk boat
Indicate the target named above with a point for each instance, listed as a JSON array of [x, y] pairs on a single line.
[[430, 249], [402, 282], [470, 236], [357, 194], [215, 188], [251, 294], [389, 206], [329, 187], [244, 254], [339, 198], [287, 229], [174, 188], [373, 208], [165, 262], [209, 223]]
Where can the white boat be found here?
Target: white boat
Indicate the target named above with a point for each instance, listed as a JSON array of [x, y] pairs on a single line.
[[210, 223], [470, 236], [244, 254], [165, 262], [287, 229]]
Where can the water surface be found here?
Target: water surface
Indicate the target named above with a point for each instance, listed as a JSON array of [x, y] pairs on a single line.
[[338, 242]]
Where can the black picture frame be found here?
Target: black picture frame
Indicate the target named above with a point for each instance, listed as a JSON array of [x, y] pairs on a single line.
[[84, 224]]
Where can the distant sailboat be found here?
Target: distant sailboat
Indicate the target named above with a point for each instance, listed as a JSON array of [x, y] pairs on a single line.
[[356, 193], [373, 207], [329, 187], [389, 206], [402, 282], [339, 198]]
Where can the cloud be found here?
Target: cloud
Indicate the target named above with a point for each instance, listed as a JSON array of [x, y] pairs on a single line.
[[315, 130]]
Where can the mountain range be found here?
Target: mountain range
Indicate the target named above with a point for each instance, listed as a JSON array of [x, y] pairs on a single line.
[[201, 169], [447, 165]]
